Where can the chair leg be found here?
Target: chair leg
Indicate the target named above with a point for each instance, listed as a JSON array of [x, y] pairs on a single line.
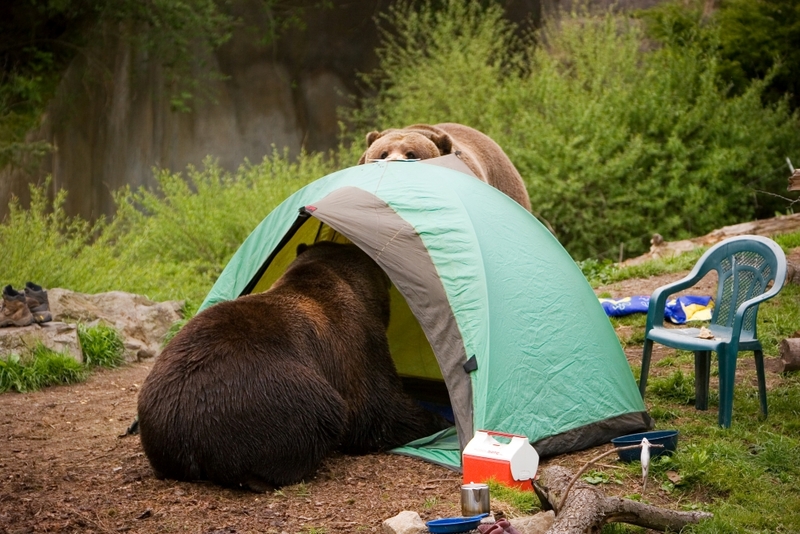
[[648, 350], [727, 375], [702, 377], [762, 383]]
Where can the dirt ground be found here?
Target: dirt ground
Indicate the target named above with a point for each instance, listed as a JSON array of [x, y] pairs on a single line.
[[64, 467]]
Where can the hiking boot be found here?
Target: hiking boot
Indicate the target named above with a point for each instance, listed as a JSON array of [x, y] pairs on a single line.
[[38, 303], [15, 310]]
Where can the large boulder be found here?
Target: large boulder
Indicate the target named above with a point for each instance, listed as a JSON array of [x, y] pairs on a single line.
[[141, 322], [57, 336]]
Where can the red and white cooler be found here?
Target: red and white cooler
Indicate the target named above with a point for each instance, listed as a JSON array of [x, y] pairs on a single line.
[[512, 464]]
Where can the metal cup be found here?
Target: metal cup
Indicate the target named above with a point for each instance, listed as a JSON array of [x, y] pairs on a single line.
[[474, 499]]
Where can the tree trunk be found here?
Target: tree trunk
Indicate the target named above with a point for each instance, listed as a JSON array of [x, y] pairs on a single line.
[[587, 509]]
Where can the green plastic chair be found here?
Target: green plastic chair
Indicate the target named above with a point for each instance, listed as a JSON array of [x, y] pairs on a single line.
[[746, 266]]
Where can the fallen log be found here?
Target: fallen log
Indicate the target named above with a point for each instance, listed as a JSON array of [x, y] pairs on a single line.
[[789, 351], [586, 508]]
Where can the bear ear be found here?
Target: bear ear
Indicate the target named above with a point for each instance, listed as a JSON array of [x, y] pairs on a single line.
[[444, 143], [372, 137], [302, 247]]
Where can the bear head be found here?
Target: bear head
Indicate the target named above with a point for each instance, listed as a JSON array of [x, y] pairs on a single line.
[[406, 143]]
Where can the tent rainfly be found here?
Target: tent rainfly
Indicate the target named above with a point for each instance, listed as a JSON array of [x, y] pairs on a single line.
[[490, 315]]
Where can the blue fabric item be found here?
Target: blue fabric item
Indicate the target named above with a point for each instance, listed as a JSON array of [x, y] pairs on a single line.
[[625, 306], [675, 310]]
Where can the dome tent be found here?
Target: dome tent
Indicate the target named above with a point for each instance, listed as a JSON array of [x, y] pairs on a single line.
[[487, 306]]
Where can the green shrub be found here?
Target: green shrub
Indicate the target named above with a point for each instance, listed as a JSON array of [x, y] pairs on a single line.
[[102, 346], [616, 141], [597, 272], [625, 143], [754, 39], [42, 243], [166, 244], [441, 62]]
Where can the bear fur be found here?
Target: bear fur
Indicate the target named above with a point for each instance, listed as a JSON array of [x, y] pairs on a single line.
[[478, 151], [256, 391]]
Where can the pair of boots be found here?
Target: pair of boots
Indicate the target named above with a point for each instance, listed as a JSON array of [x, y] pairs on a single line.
[[24, 308]]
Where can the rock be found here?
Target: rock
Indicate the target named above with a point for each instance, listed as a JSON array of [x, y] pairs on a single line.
[[534, 524], [141, 323], [405, 522], [57, 336]]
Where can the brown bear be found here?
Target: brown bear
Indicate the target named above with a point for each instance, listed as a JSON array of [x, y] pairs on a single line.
[[478, 151], [256, 391]]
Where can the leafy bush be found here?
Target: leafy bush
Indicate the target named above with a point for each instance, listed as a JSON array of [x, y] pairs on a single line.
[[166, 244], [616, 141], [23, 96], [754, 40], [42, 243], [441, 64]]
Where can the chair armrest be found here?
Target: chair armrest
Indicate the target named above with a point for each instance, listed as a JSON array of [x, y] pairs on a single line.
[[658, 299], [744, 306]]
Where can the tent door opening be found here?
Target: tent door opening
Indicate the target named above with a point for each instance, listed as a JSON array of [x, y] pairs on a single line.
[[412, 353]]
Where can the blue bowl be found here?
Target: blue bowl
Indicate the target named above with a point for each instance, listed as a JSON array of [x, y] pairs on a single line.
[[454, 524], [667, 438]]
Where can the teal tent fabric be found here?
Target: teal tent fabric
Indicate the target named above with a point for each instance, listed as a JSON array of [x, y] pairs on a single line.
[[441, 448], [521, 340]]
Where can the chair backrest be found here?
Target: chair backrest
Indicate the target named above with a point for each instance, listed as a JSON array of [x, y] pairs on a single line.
[[747, 267]]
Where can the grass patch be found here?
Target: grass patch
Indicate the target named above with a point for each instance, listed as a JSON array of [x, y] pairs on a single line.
[[779, 318], [747, 475], [40, 368], [102, 346], [676, 387], [788, 241], [600, 273], [519, 501], [630, 328]]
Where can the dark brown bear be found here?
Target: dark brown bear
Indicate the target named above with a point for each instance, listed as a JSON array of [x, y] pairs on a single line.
[[256, 391], [479, 152]]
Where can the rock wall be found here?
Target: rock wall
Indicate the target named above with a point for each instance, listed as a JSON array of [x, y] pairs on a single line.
[[112, 123]]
